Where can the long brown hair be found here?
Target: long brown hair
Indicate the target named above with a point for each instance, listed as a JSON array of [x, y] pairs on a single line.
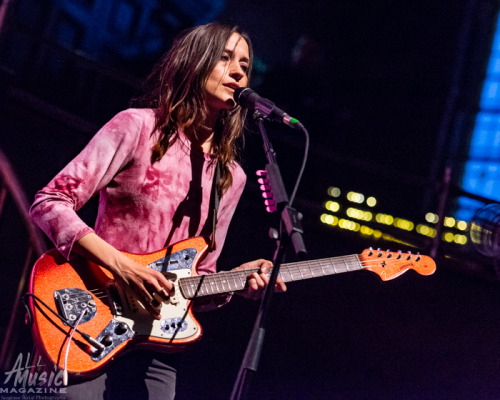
[[176, 90]]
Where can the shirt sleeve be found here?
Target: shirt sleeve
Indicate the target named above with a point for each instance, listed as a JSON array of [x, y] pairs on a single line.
[[55, 206]]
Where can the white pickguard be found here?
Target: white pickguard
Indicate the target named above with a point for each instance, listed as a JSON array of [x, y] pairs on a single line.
[[172, 312]]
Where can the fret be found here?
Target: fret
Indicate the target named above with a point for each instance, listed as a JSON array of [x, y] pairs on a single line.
[[222, 280], [218, 284], [311, 267], [203, 287], [285, 273], [345, 263], [326, 267], [320, 271], [211, 286], [334, 267], [186, 289], [296, 276], [322, 268], [291, 272], [300, 271], [354, 263]]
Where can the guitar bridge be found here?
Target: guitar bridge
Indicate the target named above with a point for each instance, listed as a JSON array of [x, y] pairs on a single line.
[[115, 302], [71, 302]]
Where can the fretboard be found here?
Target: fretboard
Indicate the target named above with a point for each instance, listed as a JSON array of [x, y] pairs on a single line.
[[232, 281]]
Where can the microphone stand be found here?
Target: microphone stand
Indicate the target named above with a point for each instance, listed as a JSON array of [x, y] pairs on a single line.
[[292, 233]]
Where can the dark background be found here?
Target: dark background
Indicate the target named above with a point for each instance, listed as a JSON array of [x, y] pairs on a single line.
[[389, 106]]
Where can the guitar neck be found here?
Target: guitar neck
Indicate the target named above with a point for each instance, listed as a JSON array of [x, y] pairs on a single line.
[[232, 281]]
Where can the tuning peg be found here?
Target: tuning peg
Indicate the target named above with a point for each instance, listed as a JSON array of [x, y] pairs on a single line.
[[371, 251], [409, 255], [418, 256], [399, 255]]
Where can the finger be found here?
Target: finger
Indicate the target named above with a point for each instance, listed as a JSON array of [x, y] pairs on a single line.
[[160, 293], [158, 286], [161, 284], [151, 304], [163, 294], [252, 284], [257, 281], [265, 266], [280, 285]]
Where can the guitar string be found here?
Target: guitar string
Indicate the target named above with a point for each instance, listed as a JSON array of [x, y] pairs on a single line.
[[316, 269], [291, 271], [313, 265]]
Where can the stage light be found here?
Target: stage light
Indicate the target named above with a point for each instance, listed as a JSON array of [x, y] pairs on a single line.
[[359, 214], [371, 201], [329, 219], [426, 230], [365, 230], [355, 197], [460, 239], [432, 218], [461, 225], [334, 191], [448, 237], [332, 206], [349, 225], [384, 219], [403, 224], [485, 230], [449, 222]]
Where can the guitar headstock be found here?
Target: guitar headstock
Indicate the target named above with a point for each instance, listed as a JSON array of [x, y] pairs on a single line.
[[389, 264]]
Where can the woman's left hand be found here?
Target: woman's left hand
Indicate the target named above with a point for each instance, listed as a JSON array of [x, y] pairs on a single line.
[[257, 282]]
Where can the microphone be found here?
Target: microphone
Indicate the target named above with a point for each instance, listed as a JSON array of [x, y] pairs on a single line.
[[247, 98]]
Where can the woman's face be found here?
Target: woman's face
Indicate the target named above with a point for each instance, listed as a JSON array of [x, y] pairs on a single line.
[[229, 74]]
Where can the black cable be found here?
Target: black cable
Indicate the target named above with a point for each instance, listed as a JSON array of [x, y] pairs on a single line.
[[303, 166], [90, 340]]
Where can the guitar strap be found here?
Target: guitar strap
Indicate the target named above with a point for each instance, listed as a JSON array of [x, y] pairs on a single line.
[[216, 198]]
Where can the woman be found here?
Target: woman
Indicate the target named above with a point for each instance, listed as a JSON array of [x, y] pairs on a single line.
[[154, 169]]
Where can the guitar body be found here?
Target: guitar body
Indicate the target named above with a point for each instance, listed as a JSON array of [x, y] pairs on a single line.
[[82, 290]]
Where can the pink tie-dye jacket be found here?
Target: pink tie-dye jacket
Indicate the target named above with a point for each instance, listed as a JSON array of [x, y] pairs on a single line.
[[142, 207]]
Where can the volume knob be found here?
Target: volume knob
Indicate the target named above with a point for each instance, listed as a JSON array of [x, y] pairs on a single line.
[[121, 328]]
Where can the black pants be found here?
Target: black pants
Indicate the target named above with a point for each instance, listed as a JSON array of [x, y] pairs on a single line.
[[138, 375]]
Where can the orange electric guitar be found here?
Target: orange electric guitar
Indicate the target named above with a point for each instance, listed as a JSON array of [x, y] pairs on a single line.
[[81, 319]]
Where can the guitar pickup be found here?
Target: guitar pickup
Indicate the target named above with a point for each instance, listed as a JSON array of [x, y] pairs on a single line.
[[115, 302]]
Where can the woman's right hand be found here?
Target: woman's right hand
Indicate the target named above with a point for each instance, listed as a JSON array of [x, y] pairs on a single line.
[[150, 286]]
